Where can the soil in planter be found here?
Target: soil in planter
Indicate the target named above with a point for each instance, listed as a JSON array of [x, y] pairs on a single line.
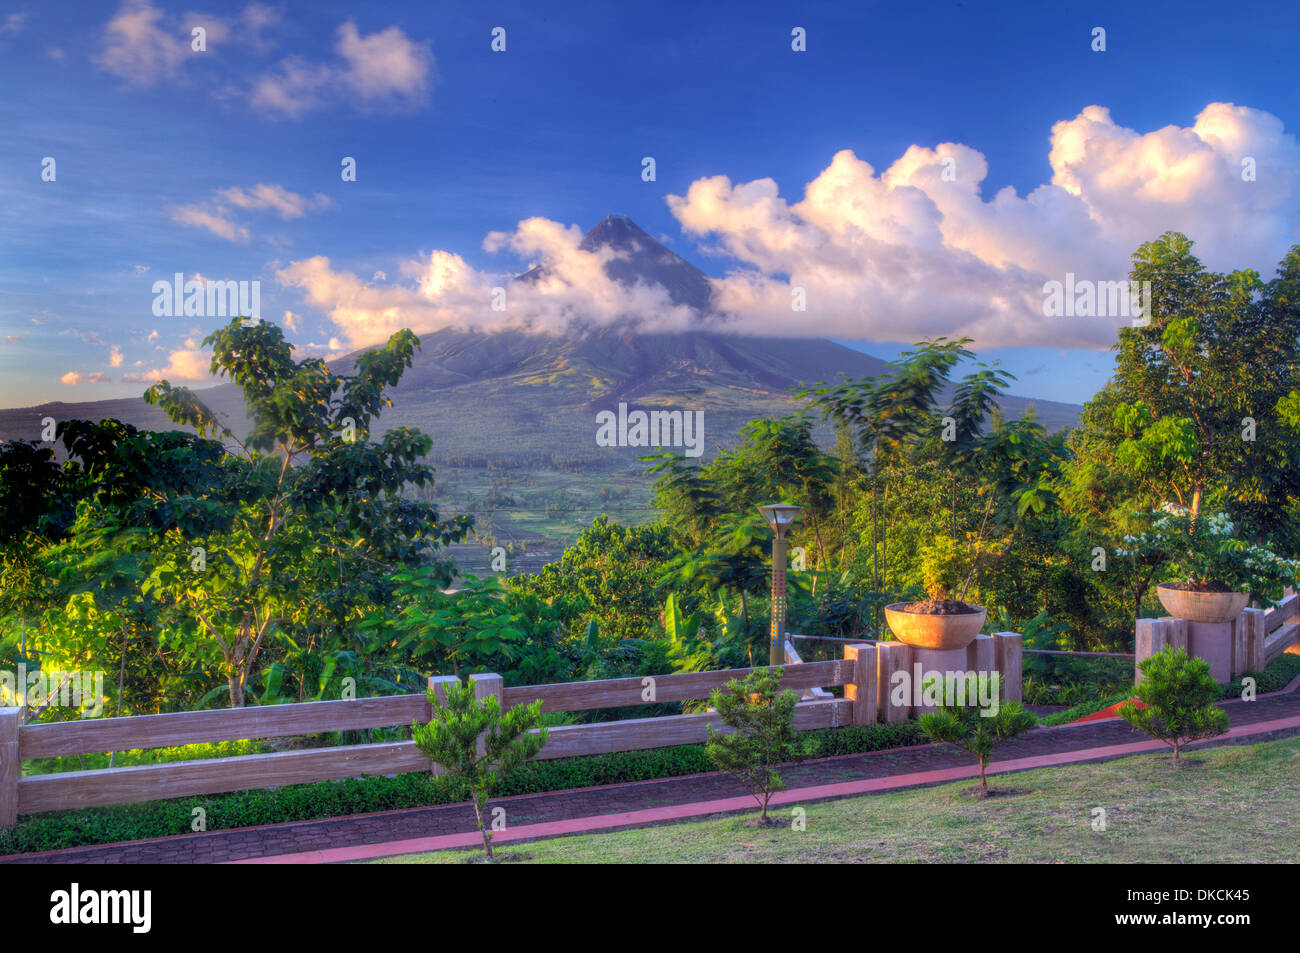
[[940, 607], [1199, 586]]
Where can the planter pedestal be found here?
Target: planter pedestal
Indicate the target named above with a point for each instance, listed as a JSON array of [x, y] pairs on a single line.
[[935, 662], [1230, 648], [1212, 641]]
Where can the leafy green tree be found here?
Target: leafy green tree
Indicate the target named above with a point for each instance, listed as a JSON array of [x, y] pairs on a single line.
[[763, 737], [1199, 411], [610, 575], [480, 627], [1179, 695], [476, 741], [976, 730], [242, 544]]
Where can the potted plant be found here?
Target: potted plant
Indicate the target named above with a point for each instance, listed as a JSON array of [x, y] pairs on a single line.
[[944, 620], [1216, 572]]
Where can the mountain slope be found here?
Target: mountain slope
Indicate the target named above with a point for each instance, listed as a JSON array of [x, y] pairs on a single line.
[[525, 399]]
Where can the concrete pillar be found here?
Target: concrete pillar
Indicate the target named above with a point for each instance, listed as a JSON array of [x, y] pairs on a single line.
[[936, 663], [1212, 641]]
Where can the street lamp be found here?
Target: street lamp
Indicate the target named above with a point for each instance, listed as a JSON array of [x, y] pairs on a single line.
[[779, 516]]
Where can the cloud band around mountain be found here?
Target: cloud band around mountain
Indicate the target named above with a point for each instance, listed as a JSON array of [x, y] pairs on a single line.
[[910, 252]]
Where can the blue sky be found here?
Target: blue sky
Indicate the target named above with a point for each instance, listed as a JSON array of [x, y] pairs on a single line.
[[160, 152]]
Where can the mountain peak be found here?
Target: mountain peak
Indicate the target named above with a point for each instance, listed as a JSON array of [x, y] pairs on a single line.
[[640, 258]]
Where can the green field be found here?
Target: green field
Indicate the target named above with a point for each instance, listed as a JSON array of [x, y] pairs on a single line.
[[1230, 804]]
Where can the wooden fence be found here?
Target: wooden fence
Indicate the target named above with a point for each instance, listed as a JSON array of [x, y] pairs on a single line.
[[76, 789], [865, 673]]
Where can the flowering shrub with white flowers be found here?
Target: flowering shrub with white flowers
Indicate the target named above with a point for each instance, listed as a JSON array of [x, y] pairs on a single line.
[[1205, 551]]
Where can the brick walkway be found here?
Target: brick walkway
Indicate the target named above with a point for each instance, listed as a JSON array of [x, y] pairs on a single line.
[[933, 763]]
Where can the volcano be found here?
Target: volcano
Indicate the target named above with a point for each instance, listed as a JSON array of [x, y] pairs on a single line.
[[518, 398]]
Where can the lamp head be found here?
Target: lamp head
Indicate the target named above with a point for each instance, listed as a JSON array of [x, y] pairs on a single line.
[[780, 516]]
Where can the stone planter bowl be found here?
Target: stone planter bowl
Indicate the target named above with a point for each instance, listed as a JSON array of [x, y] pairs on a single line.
[[1202, 606], [927, 631]]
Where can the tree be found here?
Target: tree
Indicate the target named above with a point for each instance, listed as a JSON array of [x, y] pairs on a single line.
[[1200, 410], [974, 729], [306, 508], [761, 718], [1179, 695], [452, 739]]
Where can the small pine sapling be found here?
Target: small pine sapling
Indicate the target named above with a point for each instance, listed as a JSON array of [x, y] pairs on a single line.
[[1179, 694], [974, 728], [452, 739], [763, 737]]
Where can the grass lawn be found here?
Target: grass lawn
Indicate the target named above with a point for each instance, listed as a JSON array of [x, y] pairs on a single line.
[[1233, 804]]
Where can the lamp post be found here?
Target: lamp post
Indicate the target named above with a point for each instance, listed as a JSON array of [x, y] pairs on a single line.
[[779, 516]]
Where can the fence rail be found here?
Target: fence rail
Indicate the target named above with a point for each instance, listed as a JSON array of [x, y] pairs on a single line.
[[865, 674], [96, 787]]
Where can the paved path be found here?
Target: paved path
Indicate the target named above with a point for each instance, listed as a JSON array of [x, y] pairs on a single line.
[[642, 802]]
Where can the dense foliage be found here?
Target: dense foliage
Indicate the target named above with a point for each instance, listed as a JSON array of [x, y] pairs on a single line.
[[305, 560]]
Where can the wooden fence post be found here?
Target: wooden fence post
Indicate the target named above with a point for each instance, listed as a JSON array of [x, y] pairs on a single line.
[[11, 768], [893, 657], [1009, 655], [439, 685], [1248, 636], [862, 689], [489, 683], [1150, 639]]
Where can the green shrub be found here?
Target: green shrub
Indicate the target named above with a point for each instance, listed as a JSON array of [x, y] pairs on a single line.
[[761, 718], [1179, 694]]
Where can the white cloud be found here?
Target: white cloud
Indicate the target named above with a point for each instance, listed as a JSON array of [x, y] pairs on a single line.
[[115, 356], [72, 379], [189, 364], [143, 45], [13, 24], [912, 252], [385, 69], [98, 377], [138, 49], [215, 219], [216, 215], [276, 198], [291, 321], [442, 290]]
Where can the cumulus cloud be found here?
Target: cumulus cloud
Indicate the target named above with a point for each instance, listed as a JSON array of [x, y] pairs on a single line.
[[385, 69], [442, 290], [143, 45], [186, 364], [115, 356], [917, 250], [912, 251], [140, 48], [72, 378]]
